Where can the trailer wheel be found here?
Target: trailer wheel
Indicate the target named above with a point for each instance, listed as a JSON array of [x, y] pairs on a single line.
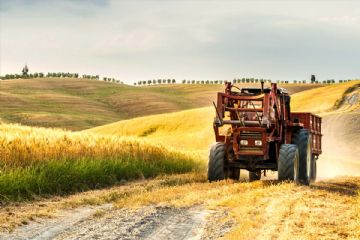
[[254, 175], [216, 165], [288, 162], [303, 141], [313, 170]]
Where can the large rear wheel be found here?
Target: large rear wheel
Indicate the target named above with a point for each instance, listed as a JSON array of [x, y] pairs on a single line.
[[288, 162], [314, 169], [307, 168]]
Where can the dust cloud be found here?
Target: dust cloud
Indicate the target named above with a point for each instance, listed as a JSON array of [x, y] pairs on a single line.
[[341, 145]]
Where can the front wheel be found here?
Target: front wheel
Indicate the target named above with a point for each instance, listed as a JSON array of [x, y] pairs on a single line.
[[288, 166], [216, 165]]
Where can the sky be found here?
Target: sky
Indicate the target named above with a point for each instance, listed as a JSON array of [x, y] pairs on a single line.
[[197, 40]]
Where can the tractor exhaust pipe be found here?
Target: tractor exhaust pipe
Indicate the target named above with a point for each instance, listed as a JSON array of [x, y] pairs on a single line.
[[262, 86]]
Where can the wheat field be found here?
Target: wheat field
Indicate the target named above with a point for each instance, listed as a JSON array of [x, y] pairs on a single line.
[[39, 161]]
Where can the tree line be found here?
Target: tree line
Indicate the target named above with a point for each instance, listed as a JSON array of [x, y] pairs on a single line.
[[57, 75], [235, 80], [155, 81]]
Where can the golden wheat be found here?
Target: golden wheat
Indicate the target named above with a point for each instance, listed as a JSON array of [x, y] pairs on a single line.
[[41, 161]]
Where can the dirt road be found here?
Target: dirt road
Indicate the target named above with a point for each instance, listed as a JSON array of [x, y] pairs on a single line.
[[260, 210], [150, 222]]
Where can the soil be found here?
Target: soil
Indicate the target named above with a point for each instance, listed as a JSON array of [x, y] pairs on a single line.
[[105, 222]]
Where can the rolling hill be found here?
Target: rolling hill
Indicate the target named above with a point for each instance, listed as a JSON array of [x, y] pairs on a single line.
[[77, 104]]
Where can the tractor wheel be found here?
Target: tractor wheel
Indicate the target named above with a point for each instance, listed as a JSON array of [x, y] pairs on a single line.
[[254, 176], [288, 162], [216, 165], [302, 140], [313, 170]]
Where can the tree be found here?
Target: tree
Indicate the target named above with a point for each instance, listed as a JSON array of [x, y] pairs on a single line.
[[159, 81], [154, 81], [313, 79], [173, 81], [193, 81], [183, 81], [41, 75], [36, 75], [25, 71], [149, 82], [169, 81]]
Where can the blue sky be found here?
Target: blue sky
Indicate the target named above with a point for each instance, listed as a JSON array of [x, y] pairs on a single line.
[[140, 40]]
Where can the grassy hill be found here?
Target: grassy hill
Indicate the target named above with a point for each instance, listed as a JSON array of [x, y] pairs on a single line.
[[325, 99], [78, 104], [186, 130]]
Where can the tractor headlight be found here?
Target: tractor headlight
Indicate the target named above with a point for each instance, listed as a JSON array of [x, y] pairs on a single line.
[[258, 143], [244, 142]]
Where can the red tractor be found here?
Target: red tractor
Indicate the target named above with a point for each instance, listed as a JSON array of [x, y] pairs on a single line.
[[256, 130]]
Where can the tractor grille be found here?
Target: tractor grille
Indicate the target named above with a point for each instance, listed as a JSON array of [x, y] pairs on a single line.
[[251, 148], [253, 135]]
